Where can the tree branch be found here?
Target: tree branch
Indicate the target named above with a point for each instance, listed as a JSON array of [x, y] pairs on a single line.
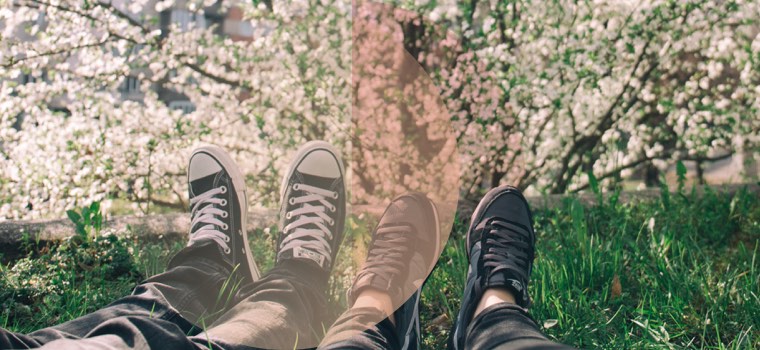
[[13, 61]]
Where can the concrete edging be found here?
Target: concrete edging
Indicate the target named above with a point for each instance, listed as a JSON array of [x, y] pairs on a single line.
[[15, 233]]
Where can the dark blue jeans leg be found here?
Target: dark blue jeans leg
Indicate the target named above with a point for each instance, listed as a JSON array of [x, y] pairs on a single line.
[[358, 329], [502, 326], [167, 306], [507, 326], [285, 309]]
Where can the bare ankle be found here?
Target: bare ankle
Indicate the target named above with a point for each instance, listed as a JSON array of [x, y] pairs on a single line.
[[375, 299], [493, 296]]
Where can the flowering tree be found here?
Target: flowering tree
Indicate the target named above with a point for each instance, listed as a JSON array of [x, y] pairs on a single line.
[[539, 94], [545, 93], [258, 98]]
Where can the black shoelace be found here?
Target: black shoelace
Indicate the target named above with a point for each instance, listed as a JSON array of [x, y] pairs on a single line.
[[507, 248], [387, 258]]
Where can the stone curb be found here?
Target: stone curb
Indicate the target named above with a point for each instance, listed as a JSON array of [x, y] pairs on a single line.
[[176, 225]]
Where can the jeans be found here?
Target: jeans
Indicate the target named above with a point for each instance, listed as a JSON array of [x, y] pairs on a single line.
[[501, 326], [170, 311], [167, 311]]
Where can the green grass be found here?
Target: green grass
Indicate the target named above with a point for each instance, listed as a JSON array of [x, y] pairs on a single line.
[[687, 269]]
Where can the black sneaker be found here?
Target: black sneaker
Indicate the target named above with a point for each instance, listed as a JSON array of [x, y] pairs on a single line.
[[403, 250], [313, 206], [500, 246], [218, 205]]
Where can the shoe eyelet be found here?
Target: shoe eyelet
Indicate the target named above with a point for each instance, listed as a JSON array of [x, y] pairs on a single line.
[[225, 227], [296, 187], [225, 215], [226, 238], [335, 195], [288, 215], [227, 250], [331, 222], [223, 203], [224, 189], [292, 201], [332, 209]]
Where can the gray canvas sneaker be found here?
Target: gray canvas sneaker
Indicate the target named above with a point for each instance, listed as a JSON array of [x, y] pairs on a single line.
[[313, 207], [218, 206]]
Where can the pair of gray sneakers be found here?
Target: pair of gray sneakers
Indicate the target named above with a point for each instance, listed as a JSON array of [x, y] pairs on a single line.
[[312, 219], [312, 211]]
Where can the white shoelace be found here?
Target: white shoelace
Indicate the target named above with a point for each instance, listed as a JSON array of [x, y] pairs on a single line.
[[205, 212], [314, 214]]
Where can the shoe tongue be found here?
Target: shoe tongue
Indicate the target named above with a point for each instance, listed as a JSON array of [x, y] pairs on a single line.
[[395, 212], [483, 225], [202, 185], [401, 211], [198, 187], [318, 181]]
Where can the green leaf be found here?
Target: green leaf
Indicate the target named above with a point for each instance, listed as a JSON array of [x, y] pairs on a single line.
[[98, 221], [95, 207], [681, 174], [579, 218], [664, 192], [680, 168], [73, 216], [593, 182], [86, 216], [81, 230]]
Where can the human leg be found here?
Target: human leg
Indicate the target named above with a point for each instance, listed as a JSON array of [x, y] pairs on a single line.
[[404, 247], [500, 246], [188, 293], [287, 307]]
